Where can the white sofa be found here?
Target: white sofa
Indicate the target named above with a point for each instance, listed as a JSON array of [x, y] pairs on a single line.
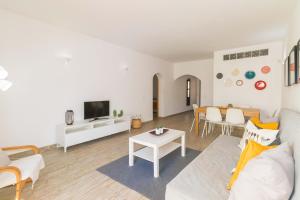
[[207, 175]]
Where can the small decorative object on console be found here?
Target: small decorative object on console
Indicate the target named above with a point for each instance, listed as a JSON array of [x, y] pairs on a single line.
[[115, 113], [120, 113], [69, 117], [136, 121]]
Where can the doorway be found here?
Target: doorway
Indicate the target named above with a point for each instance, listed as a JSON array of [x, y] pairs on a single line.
[[189, 87], [155, 99]]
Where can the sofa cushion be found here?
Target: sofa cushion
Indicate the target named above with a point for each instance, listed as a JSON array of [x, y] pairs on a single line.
[[268, 176], [207, 175], [265, 125], [290, 132], [262, 136], [252, 150]]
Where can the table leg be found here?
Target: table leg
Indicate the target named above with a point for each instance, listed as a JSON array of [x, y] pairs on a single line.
[[183, 146], [156, 162], [197, 122], [131, 149]]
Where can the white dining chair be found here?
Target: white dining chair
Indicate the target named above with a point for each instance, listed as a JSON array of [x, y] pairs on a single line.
[[213, 116], [234, 118], [200, 116]]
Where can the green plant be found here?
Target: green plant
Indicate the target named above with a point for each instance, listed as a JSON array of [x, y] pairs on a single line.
[[115, 113], [121, 113], [160, 126]]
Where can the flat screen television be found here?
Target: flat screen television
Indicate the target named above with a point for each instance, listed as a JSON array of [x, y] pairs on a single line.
[[96, 109]]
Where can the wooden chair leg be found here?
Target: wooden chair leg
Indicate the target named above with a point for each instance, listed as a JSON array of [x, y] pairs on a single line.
[[205, 124], [20, 186], [18, 191]]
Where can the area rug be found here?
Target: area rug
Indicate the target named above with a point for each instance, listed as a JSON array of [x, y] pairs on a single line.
[[140, 176]]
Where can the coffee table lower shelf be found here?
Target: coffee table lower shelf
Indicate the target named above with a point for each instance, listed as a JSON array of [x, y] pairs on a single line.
[[148, 154]]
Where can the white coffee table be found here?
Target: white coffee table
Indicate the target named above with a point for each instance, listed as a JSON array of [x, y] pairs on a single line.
[[156, 147]]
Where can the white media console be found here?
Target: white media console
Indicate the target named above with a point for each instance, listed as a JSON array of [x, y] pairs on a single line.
[[83, 131]]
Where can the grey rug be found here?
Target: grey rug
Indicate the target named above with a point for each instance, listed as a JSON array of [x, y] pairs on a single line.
[[140, 176]]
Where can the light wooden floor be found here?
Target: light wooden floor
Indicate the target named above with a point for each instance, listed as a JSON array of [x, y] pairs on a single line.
[[73, 175]]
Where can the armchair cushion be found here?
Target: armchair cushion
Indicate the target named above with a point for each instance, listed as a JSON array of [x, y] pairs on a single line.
[[29, 166], [4, 159]]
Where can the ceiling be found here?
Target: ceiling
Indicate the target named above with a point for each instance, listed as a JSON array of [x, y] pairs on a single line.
[[174, 30]]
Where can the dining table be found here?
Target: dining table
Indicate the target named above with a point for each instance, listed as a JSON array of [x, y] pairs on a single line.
[[248, 112]]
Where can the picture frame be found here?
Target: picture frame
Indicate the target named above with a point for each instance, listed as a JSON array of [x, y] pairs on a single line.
[[292, 66], [286, 73], [298, 62]]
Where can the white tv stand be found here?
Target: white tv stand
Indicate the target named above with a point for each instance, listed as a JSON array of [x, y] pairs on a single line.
[[83, 131]]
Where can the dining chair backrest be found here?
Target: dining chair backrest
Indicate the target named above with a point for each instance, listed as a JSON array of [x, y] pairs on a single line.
[[213, 114], [195, 107], [235, 116]]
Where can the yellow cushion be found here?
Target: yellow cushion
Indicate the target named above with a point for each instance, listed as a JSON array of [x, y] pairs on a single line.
[[259, 124], [252, 150]]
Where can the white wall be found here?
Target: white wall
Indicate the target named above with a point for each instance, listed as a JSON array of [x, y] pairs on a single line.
[[180, 95], [291, 95], [203, 70], [44, 87], [267, 100]]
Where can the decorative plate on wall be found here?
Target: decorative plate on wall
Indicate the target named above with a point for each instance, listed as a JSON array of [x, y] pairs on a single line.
[[219, 75], [228, 82], [260, 85], [250, 74], [265, 69], [235, 72], [239, 82]]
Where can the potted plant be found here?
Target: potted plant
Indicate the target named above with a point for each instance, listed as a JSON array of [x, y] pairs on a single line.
[[118, 115]]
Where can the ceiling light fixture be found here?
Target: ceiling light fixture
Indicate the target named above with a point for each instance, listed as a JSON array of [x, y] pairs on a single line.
[[3, 73], [4, 84]]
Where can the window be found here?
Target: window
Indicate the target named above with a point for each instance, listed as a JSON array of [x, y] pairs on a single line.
[[188, 92]]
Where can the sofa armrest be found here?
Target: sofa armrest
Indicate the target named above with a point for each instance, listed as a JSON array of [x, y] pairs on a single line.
[[13, 170], [33, 148]]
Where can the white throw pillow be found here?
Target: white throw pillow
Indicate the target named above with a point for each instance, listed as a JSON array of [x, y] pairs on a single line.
[[262, 136], [4, 159], [267, 176]]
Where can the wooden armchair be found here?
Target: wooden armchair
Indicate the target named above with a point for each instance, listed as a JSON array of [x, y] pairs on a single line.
[[20, 171]]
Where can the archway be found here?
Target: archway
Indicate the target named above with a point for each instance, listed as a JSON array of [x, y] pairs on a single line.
[[155, 96], [195, 96]]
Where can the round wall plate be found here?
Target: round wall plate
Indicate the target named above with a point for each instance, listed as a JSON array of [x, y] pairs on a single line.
[[250, 74], [219, 75], [239, 82], [265, 69], [228, 82], [235, 72], [260, 85]]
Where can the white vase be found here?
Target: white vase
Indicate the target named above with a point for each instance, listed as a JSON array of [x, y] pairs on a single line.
[[157, 131]]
